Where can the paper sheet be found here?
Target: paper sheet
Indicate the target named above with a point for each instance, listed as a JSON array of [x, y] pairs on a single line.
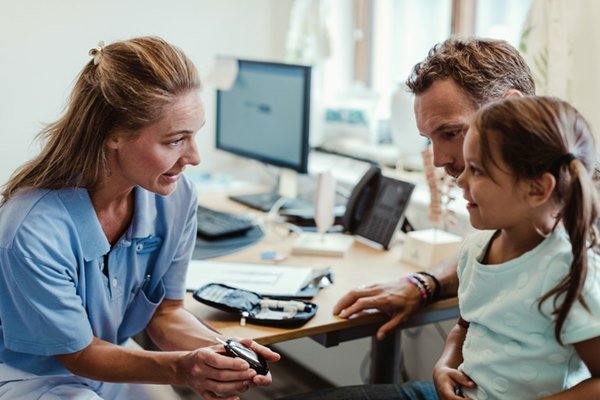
[[275, 280]]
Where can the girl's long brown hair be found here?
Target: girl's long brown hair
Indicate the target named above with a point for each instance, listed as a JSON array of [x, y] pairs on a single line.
[[126, 87], [543, 134]]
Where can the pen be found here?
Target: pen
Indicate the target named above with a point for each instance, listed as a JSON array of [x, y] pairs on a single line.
[[145, 283]]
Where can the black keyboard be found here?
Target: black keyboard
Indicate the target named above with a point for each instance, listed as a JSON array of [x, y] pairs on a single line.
[[216, 224]]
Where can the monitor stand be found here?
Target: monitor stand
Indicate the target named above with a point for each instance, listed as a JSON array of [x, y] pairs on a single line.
[[286, 188], [259, 201], [299, 211]]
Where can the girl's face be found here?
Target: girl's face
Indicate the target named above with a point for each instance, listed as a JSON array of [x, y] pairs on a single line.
[[156, 155], [495, 199]]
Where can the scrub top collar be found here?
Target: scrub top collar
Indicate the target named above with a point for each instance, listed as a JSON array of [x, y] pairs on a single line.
[[79, 205], [144, 214]]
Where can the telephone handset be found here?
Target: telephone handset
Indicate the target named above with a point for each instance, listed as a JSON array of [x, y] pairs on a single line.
[[376, 206]]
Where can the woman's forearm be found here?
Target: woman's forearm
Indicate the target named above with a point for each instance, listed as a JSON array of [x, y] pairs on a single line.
[[174, 328], [108, 362]]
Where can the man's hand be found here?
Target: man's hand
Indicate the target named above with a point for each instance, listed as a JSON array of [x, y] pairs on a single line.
[[398, 300]]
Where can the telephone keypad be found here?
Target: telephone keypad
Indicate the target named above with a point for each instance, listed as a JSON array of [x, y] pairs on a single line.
[[378, 229]]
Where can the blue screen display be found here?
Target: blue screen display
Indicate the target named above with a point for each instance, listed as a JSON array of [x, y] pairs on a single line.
[[265, 114]]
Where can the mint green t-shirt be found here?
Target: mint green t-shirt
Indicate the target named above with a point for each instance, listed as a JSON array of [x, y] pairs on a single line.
[[510, 350]]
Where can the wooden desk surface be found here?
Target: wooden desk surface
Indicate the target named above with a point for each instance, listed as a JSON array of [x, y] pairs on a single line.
[[360, 265]]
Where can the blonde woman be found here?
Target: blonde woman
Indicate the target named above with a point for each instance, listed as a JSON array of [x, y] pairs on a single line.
[[95, 236]]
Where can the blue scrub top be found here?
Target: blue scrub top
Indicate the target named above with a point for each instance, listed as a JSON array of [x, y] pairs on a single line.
[[54, 295]]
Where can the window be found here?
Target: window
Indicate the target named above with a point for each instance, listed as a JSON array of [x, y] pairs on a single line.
[[375, 44], [501, 19]]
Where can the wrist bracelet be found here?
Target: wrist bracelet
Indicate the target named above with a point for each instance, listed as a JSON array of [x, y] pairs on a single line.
[[423, 281], [438, 285], [419, 286]]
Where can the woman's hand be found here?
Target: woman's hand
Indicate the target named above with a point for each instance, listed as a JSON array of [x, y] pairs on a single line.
[[268, 354], [209, 372], [398, 300], [446, 379], [214, 375]]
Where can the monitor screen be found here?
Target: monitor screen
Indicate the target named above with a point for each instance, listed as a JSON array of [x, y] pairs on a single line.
[[265, 114]]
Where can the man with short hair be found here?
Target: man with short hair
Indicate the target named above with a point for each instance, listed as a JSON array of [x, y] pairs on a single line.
[[457, 77]]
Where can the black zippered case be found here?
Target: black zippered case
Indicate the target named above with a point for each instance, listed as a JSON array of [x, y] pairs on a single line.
[[254, 308]]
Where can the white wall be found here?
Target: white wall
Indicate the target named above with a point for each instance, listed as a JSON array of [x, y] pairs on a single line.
[[44, 45]]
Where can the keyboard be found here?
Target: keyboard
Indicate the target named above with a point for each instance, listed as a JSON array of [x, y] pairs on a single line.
[[216, 224]]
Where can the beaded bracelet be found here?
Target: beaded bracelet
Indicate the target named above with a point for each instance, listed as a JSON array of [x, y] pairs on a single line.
[[423, 281], [420, 287], [438, 285]]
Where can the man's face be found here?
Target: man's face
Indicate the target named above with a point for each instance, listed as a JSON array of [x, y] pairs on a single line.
[[443, 113]]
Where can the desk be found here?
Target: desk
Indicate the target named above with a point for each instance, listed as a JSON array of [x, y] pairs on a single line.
[[360, 265]]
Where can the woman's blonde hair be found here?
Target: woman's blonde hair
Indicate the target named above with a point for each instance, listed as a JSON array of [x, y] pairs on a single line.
[[125, 86]]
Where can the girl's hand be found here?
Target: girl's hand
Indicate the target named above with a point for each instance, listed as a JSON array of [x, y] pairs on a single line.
[[446, 379], [213, 375]]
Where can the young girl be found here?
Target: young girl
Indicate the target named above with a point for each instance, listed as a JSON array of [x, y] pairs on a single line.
[[529, 289]]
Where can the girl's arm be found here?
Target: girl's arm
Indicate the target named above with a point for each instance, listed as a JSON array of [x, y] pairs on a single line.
[[446, 375], [589, 352], [398, 299]]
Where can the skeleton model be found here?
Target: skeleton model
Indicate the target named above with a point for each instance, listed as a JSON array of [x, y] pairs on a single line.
[[441, 187]]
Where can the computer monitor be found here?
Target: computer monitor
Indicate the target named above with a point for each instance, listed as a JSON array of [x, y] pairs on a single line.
[[265, 116]]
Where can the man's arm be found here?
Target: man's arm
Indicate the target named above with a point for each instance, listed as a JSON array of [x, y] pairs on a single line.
[[445, 272], [399, 299]]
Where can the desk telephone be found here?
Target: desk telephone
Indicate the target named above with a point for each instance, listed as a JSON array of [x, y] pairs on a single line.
[[376, 207]]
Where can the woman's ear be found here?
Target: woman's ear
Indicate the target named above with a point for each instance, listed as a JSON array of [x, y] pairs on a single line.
[[541, 189], [113, 141]]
